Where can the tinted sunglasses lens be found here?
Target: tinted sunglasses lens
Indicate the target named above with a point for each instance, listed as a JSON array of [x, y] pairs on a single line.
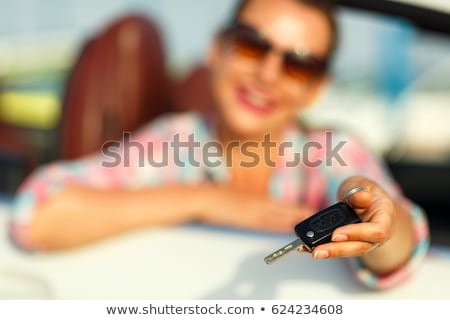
[[303, 68], [249, 43]]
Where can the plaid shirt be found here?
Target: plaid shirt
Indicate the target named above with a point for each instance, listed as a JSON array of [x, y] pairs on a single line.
[[151, 160]]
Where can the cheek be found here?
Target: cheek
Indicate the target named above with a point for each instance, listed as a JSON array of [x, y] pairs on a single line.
[[294, 99], [225, 77], [309, 92]]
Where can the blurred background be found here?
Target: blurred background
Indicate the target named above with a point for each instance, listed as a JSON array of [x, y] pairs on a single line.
[[74, 74]]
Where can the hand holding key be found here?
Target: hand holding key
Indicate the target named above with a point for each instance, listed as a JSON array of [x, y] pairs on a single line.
[[383, 220], [318, 228]]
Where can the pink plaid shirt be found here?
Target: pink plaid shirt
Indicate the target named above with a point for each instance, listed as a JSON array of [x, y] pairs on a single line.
[[150, 160]]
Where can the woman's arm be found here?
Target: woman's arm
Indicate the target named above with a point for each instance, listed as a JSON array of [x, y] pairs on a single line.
[[393, 239], [390, 243], [80, 215]]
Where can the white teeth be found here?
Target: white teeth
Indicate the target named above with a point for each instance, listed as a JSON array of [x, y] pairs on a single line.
[[256, 100]]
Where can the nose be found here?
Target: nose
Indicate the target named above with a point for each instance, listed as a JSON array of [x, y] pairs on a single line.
[[270, 68]]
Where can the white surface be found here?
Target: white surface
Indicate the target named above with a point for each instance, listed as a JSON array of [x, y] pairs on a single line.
[[196, 262]]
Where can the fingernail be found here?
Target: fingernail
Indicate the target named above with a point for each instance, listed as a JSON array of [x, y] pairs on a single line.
[[321, 254], [339, 237]]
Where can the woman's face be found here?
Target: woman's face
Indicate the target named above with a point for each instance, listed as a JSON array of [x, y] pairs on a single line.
[[255, 96]]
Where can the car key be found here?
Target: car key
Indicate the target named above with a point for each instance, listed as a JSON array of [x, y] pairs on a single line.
[[318, 228]]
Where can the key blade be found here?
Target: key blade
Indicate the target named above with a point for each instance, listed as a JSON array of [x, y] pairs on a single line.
[[276, 255]]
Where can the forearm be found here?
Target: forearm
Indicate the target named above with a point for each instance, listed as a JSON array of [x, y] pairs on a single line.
[[395, 252], [80, 215]]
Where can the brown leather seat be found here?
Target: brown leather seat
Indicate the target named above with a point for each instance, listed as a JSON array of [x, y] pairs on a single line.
[[118, 83], [192, 92]]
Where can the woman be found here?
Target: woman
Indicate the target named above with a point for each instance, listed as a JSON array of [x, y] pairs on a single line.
[[266, 66]]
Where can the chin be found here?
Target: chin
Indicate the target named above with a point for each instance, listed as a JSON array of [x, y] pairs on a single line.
[[246, 125]]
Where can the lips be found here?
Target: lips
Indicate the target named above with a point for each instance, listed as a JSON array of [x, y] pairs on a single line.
[[255, 100]]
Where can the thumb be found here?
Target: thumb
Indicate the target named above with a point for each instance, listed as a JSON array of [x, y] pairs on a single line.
[[360, 200]]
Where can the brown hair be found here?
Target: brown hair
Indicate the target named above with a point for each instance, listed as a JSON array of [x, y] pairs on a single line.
[[326, 7]]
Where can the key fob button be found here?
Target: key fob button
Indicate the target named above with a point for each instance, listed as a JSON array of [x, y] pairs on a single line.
[[310, 234]]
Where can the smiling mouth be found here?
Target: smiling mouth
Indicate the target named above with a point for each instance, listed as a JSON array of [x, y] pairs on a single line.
[[256, 102]]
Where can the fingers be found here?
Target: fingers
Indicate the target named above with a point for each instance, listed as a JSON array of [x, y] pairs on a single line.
[[353, 240], [360, 199], [373, 232], [343, 249]]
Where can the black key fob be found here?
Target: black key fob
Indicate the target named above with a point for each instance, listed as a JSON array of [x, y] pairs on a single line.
[[318, 228]]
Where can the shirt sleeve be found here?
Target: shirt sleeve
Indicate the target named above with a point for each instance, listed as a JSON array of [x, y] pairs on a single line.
[[135, 161], [343, 156]]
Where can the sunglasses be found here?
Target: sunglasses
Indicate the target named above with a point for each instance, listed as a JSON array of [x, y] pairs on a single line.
[[248, 42]]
